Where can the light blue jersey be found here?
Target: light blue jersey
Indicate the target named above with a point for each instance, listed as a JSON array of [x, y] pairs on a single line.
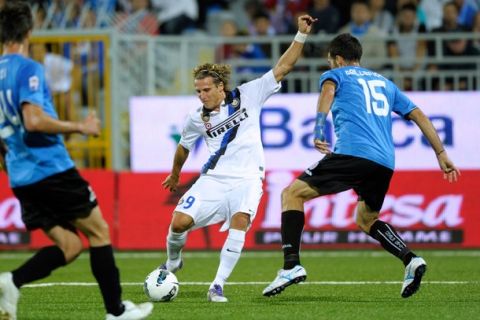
[[361, 113], [31, 157]]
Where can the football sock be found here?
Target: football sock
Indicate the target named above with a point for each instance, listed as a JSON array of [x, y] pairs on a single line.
[[105, 271], [292, 227], [175, 243], [229, 256], [391, 241], [39, 266]]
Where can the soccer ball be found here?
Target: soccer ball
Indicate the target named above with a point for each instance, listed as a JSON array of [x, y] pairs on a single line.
[[161, 285]]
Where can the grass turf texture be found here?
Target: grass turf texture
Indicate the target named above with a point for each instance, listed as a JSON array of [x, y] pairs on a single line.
[[340, 285]]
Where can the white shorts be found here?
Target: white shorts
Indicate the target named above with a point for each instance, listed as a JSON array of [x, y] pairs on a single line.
[[215, 199]]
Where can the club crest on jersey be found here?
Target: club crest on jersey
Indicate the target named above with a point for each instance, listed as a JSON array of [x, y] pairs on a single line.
[[33, 83], [231, 122], [235, 102], [206, 117]]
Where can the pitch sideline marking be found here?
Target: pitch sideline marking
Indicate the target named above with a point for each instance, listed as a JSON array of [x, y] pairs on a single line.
[[195, 283]]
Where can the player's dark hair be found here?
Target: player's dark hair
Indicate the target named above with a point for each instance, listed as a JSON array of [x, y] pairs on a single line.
[[346, 46], [15, 21]]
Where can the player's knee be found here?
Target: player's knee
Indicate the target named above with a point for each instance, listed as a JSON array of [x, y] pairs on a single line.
[[103, 231], [364, 220], [287, 194], [291, 194], [181, 222], [72, 248], [240, 221], [99, 233]]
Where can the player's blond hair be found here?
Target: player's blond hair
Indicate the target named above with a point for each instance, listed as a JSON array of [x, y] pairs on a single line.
[[220, 73]]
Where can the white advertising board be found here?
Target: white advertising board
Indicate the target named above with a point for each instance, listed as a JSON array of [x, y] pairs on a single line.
[[287, 122]]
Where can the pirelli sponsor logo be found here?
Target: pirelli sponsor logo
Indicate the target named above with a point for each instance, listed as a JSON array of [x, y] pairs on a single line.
[[231, 122]]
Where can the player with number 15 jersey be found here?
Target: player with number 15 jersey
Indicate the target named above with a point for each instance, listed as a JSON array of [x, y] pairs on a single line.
[[361, 113], [361, 102]]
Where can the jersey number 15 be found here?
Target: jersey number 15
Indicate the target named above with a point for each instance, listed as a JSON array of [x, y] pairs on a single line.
[[374, 99]]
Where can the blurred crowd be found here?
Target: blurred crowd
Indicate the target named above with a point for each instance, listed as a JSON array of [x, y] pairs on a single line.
[[260, 17], [380, 24]]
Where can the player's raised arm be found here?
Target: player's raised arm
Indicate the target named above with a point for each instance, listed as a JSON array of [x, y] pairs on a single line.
[[289, 58], [450, 172], [181, 155]]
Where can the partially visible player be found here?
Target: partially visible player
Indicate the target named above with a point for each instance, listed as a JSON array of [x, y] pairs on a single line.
[[361, 102], [52, 194], [230, 186]]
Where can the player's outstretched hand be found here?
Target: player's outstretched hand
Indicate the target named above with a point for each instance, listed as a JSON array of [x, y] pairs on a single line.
[[170, 183], [450, 172], [322, 146], [90, 125], [305, 23]]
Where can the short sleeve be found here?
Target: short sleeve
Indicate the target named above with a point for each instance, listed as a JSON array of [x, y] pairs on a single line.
[[190, 134], [31, 79], [331, 76], [260, 89], [402, 105]]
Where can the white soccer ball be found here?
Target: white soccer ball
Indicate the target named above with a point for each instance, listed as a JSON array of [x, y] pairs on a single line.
[[161, 285]]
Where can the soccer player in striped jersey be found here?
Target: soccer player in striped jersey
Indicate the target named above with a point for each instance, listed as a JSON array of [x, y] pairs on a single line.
[[230, 186]]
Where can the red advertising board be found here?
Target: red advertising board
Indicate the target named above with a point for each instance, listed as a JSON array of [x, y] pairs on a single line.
[[12, 230], [427, 211]]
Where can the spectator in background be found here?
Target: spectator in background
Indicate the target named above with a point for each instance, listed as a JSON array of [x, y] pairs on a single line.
[[249, 51], [372, 38], [39, 17], [140, 19], [468, 10], [176, 16], [422, 19], [476, 30], [433, 11], [410, 51], [381, 18], [283, 13], [453, 48], [262, 27], [327, 15], [228, 29]]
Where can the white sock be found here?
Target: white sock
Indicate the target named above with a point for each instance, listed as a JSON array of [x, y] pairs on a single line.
[[232, 248], [175, 243]]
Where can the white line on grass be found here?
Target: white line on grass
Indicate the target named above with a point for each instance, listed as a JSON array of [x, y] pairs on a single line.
[[247, 283], [264, 254]]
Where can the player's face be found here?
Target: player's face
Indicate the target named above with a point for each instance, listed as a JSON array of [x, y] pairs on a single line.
[[209, 93]]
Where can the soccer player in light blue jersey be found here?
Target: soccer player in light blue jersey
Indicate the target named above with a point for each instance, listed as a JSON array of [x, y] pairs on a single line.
[[361, 102], [53, 195]]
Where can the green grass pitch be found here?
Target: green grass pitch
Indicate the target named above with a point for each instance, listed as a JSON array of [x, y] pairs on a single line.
[[340, 285]]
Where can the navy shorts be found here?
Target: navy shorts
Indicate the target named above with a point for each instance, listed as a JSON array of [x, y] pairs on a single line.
[[336, 173]]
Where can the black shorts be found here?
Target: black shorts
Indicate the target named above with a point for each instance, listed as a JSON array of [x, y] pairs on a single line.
[[336, 173], [56, 200]]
